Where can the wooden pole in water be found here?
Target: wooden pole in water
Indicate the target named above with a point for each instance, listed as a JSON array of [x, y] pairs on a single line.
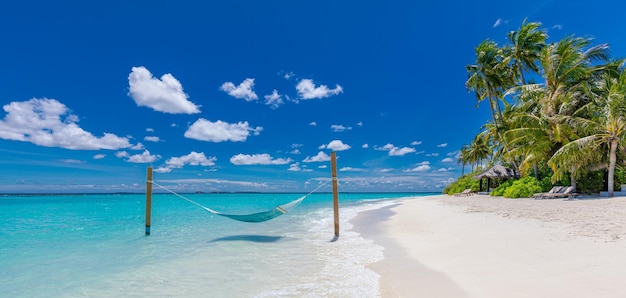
[[333, 165], [148, 200]]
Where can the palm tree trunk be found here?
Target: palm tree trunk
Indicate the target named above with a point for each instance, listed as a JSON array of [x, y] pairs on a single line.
[[612, 160], [572, 180], [536, 169]]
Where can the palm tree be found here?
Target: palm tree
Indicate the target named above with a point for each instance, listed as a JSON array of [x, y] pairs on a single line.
[[540, 124], [463, 158], [526, 44], [489, 76], [478, 150], [605, 129]]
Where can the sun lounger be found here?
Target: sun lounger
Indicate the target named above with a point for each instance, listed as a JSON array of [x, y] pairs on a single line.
[[554, 189], [567, 192], [467, 192]]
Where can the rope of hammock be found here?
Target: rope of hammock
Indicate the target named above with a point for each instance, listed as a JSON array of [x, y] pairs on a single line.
[[254, 217]]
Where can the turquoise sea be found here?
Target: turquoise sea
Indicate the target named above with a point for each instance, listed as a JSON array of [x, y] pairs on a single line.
[[95, 246]]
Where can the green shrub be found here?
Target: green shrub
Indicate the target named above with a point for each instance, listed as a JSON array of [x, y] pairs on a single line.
[[499, 191], [523, 188], [461, 184], [546, 184]]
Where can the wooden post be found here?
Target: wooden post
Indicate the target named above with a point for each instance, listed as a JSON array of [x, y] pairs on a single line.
[[148, 200], [333, 165]]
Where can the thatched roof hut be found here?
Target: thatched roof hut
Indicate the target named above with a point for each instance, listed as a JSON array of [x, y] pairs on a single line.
[[496, 171]]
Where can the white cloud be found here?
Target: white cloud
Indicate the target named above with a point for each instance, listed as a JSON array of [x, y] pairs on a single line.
[[385, 170], [151, 138], [401, 151], [164, 95], [360, 123], [339, 128], [294, 167], [274, 100], [121, 154], [448, 159], [415, 143], [497, 23], [244, 90], [47, 122], [350, 169], [337, 145], [313, 123], [320, 157], [163, 170], [144, 157], [150, 129], [365, 146], [219, 131], [432, 154], [442, 145], [307, 90], [396, 151], [99, 156], [289, 75], [421, 167], [258, 159], [193, 159], [73, 161], [138, 146]]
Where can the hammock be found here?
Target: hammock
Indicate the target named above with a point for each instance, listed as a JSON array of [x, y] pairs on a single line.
[[254, 217]]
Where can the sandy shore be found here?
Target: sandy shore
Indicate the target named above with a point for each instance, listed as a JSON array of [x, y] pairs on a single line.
[[481, 246]]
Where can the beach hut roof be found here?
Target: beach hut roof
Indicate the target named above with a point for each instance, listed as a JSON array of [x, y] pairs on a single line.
[[497, 171]]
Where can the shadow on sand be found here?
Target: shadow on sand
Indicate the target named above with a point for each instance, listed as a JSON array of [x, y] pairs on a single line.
[[249, 238]]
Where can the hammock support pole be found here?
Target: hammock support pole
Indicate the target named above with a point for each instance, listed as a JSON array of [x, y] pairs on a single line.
[[148, 199], [333, 166]]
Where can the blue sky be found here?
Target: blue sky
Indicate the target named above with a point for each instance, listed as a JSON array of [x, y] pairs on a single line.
[[253, 95]]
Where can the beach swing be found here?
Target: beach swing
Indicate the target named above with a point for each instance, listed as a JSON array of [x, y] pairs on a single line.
[[254, 217]]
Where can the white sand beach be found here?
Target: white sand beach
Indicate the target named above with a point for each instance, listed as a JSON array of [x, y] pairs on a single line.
[[482, 246]]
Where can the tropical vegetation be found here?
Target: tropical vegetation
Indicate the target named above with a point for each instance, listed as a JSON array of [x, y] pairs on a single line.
[[558, 110]]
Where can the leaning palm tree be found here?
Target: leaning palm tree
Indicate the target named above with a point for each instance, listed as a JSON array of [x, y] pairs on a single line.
[[604, 131], [568, 69], [489, 76]]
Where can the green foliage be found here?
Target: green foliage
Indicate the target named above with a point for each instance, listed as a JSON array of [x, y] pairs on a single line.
[[523, 188], [591, 182], [546, 184], [499, 191], [620, 177], [594, 182], [461, 184]]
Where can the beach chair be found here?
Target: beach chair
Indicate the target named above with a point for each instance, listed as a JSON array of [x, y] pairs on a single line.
[[566, 192], [554, 189], [467, 192]]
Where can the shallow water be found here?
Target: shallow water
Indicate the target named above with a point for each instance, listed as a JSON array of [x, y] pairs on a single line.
[[94, 245]]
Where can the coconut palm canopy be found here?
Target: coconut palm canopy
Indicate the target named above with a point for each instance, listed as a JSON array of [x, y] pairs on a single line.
[[558, 108], [497, 171]]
